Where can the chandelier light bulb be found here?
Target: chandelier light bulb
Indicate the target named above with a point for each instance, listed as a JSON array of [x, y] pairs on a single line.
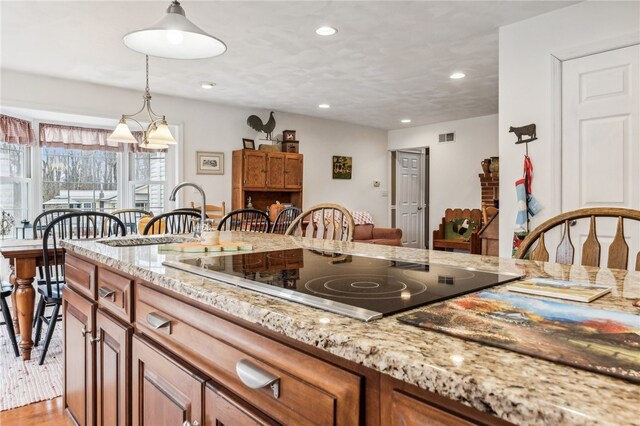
[[175, 37]]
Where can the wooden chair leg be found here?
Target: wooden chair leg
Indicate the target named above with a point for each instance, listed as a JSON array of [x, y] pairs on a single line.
[[50, 330], [9, 324]]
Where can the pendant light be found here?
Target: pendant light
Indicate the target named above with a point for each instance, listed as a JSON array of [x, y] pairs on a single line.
[[174, 37], [157, 134]]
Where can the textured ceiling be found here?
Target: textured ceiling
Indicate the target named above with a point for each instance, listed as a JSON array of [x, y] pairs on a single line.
[[389, 60]]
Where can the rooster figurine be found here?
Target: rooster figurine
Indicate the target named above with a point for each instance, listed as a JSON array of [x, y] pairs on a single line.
[[256, 124]]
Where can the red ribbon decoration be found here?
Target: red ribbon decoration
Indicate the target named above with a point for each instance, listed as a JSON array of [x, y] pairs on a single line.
[[528, 173]]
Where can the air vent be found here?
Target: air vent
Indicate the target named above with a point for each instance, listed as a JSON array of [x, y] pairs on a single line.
[[447, 137]]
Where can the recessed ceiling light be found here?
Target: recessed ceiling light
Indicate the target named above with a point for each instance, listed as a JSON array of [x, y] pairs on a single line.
[[207, 85], [326, 31], [324, 106], [405, 120], [457, 75]]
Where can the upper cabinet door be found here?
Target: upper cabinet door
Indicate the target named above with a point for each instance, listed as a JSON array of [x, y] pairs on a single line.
[[165, 390], [255, 169], [275, 168], [293, 171]]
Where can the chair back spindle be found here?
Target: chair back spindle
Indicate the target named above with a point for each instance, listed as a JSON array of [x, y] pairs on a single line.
[[618, 252], [248, 220], [324, 221]]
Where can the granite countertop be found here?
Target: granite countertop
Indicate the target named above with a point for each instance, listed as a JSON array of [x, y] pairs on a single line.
[[515, 387]]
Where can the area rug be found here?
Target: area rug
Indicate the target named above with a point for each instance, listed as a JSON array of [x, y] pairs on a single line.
[[25, 382]]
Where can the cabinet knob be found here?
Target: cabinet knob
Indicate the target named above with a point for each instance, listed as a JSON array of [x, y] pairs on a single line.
[[94, 340], [256, 378], [188, 423], [84, 331]]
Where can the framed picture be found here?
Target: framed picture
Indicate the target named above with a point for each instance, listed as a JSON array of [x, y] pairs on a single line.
[[248, 144], [342, 167], [210, 163]]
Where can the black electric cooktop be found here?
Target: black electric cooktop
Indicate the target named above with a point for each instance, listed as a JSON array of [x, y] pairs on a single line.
[[361, 287]]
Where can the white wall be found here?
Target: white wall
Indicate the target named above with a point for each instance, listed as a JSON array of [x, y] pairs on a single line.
[[525, 73], [454, 166], [214, 127]]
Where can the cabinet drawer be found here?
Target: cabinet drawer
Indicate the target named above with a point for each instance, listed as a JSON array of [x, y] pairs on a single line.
[[114, 294], [81, 275], [309, 391], [222, 407]]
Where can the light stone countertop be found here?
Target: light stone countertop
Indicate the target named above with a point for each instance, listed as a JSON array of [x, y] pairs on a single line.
[[518, 388]]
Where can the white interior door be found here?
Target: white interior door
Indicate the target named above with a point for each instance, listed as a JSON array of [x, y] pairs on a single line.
[[601, 140], [409, 203]]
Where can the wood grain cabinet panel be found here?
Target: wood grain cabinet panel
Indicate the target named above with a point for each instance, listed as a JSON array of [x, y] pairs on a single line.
[[293, 171], [222, 408], [255, 169], [81, 275], [310, 391], [114, 294], [79, 357], [165, 390], [275, 170], [113, 371]]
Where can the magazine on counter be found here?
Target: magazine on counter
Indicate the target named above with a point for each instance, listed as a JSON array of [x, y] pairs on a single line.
[[568, 290]]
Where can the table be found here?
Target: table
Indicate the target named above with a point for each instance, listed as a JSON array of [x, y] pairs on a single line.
[[24, 256]]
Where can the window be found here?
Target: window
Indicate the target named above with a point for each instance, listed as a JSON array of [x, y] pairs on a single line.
[[147, 176], [14, 181], [73, 178]]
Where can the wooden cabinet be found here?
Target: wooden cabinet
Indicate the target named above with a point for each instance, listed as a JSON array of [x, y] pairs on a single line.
[[405, 405], [79, 356], [113, 352], [224, 408], [266, 177], [166, 391]]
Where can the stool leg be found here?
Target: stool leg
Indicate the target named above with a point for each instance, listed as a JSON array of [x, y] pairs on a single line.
[[38, 318]]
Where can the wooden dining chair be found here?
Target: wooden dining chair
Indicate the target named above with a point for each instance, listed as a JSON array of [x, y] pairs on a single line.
[[284, 219], [70, 226], [324, 221], [618, 249], [41, 221], [212, 211], [173, 222], [248, 220], [130, 218]]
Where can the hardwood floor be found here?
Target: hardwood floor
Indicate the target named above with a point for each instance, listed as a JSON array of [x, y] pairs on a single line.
[[44, 413]]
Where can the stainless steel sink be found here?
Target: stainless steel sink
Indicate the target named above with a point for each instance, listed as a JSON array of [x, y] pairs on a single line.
[[149, 240]]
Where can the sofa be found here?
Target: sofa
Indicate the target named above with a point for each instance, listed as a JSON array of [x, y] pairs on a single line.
[[368, 233]]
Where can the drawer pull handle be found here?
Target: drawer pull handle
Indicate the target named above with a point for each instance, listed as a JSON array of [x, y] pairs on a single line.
[[106, 292], [257, 378], [157, 321]]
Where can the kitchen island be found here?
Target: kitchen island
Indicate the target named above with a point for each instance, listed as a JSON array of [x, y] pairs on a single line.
[[392, 365]]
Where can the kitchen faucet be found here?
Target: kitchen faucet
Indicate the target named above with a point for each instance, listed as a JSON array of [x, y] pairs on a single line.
[[203, 214]]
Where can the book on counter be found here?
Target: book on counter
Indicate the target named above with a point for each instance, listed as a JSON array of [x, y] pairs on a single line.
[[568, 290]]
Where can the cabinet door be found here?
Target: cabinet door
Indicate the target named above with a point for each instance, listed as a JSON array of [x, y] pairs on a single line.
[[113, 351], [165, 390], [293, 171], [79, 386], [255, 169], [222, 408], [275, 170]]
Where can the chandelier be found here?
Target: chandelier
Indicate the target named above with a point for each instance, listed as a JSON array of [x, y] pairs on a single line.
[[157, 134]]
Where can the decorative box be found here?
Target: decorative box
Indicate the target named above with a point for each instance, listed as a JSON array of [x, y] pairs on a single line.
[[290, 146], [288, 135]]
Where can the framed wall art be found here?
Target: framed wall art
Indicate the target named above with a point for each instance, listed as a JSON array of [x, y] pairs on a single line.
[[248, 144], [210, 163], [342, 167]]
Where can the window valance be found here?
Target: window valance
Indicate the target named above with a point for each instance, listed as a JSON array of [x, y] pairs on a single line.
[[75, 137], [16, 130]]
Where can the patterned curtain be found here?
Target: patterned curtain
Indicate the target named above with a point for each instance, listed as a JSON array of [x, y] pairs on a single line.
[[16, 130]]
